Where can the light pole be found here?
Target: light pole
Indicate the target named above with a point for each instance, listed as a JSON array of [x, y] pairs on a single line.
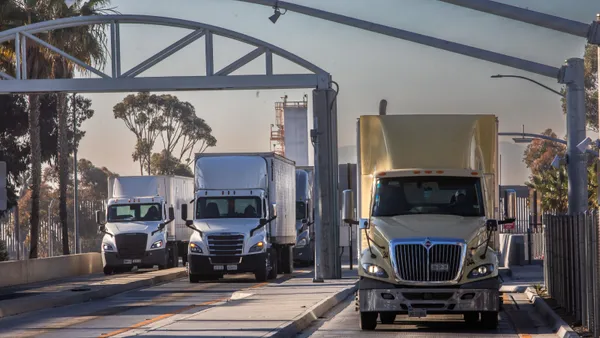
[[499, 76], [572, 75], [75, 181]]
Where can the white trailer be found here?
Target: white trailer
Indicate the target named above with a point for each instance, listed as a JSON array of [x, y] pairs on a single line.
[[140, 229], [243, 216]]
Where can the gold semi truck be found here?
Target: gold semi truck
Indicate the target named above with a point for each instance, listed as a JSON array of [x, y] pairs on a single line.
[[428, 208]]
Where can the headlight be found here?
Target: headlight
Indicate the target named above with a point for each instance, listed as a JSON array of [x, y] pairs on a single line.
[[374, 270], [301, 243], [258, 247], [195, 248], [107, 247], [481, 271], [157, 244]]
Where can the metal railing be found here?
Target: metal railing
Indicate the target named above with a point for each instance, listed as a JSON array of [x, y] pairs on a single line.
[[571, 268]]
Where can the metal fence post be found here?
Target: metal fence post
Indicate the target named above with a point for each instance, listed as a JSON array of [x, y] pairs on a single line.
[[595, 273]]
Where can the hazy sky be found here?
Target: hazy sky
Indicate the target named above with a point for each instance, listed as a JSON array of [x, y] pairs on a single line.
[[414, 79]]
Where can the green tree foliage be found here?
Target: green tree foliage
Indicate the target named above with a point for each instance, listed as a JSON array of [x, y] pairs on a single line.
[[149, 117], [3, 251], [164, 164]]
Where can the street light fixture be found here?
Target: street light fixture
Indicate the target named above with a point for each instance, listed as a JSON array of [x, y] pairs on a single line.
[[275, 15], [499, 76]]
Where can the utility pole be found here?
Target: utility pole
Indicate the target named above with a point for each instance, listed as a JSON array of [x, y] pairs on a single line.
[[75, 181], [572, 75]]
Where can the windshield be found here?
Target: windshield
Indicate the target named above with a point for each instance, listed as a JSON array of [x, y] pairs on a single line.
[[300, 210], [134, 212], [459, 196], [228, 207]]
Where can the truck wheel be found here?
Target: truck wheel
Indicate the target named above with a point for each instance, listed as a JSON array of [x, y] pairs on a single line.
[[489, 320], [274, 266], [194, 278], [262, 274], [368, 321], [387, 317], [287, 260], [108, 270]]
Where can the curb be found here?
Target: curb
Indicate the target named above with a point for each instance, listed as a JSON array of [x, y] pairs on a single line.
[[557, 324], [301, 322], [63, 298]]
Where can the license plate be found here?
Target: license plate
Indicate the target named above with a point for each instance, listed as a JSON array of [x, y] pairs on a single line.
[[439, 267], [127, 261], [231, 267], [137, 260], [218, 267], [417, 313]]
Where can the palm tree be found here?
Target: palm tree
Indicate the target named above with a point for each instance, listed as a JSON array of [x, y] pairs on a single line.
[[41, 63], [87, 43]]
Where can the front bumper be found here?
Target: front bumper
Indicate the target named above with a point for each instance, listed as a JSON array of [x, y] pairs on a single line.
[[202, 265], [303, 254], [149, 259], [432, 300]]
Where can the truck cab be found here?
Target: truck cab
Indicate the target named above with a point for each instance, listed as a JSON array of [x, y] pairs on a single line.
[[304, 248], [243, 216], [427, 215], [134, 233]]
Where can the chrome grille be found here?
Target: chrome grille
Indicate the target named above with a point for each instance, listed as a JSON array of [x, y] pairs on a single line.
[[132, 245], [225, 245], [441, 263]]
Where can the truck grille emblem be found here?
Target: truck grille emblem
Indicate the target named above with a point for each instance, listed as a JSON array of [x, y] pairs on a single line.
[[427, 243]]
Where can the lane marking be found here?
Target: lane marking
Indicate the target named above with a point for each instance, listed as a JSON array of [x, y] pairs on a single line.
[[178, 311], [507, 301]]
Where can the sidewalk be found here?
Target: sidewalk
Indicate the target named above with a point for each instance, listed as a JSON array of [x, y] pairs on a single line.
[[273, 310], [31, 297], [518, 278]]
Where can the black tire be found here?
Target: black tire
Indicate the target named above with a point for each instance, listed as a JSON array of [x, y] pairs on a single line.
[[108, 270], [287, 260], [368, 321], [489, 320], [471, 317], [387, 317], [194, 278], [262, 274], [273, 258]]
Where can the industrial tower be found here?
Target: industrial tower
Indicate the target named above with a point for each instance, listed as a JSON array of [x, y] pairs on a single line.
[[278, 140]]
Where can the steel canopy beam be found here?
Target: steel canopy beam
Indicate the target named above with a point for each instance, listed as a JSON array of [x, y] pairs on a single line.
[[161, 84], [129, 81], [525, 15], [454, 47]]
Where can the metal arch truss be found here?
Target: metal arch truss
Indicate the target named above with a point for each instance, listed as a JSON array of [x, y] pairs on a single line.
[[129, 80]]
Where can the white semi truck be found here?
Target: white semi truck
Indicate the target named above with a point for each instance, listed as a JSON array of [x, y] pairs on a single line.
[[243, 216], [428, 206], [304, 249], [139, 225]]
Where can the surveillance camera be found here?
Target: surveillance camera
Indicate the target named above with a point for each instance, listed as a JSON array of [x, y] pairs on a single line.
[[556, 162], [583, 145]]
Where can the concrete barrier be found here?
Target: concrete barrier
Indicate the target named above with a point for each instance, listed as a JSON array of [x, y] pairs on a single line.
[[44, 269]]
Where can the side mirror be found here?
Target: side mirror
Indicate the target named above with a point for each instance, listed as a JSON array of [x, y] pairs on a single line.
[[491, 225], [347, 206], [510, 204], [189, 223], [262, 221], [363, 224], [171, 213], [183, 212], [99, 217], [273, 210]]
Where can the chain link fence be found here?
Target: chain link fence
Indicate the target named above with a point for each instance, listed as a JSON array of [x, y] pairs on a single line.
[[15, 230], [571, 268]]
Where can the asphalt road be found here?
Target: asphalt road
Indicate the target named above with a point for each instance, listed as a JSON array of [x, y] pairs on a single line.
[[123, 313], [343, 321]]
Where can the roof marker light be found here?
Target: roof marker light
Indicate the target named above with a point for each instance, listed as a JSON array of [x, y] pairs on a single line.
[[382, 173], [417, 172], [439, 172], [428, 171]]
